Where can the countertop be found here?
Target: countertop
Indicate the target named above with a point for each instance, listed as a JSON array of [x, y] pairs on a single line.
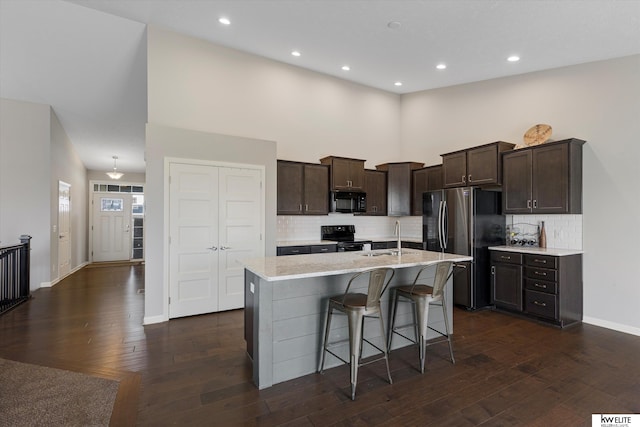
[[315, 265], [537, 251]]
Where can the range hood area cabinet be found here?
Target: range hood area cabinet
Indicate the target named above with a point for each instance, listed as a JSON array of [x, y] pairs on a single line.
[[399, 186], [544, 179], [303, 188], [474, 166], [375, 185], [345, 173], [425, 179]]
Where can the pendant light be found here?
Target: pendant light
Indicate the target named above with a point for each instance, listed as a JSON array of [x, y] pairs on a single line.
[[115, 174]]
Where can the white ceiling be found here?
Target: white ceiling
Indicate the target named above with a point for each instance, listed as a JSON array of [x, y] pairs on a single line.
[[87, 58]]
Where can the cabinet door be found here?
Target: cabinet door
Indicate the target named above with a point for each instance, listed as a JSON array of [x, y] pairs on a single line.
[[356, 174], [507, 285], [550, 187], [399, 190], [376, 189], [434, 178], [420, 184], [454, 169], [290, 188], [340, 173], [316, 190], [516, 186], [482, 165]]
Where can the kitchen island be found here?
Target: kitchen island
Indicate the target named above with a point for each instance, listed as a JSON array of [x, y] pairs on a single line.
[[286, 304]]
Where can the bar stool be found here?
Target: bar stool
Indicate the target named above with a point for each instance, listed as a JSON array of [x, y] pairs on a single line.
[[357, 306], [421, 297]]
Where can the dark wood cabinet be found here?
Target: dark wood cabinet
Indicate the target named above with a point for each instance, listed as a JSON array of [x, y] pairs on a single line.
[[345, 173], [425, 179], [303, 188], [476, 166], [305, 249], [545, 179], [506, 280], [375, 185], [399, 186], [545, 287]]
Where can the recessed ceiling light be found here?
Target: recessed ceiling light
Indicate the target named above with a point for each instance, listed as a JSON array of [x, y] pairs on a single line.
[[295, 53], [513, 58], [224, 21], [394, 25], [398, 83], [346, 67], [441, 66]]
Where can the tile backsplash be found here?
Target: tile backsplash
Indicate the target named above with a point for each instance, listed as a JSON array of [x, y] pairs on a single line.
[[562, 231], [303, 227]]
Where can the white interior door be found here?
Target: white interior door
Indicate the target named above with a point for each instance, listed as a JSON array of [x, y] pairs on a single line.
[[215, 220], [240, 231], [193, 246], [64, 228], [111, 227]]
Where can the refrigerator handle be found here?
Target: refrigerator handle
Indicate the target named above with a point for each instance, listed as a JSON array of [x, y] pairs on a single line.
[[440, 225], [445, 225]]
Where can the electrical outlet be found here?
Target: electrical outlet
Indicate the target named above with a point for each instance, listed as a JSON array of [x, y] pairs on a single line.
[[55, 228]]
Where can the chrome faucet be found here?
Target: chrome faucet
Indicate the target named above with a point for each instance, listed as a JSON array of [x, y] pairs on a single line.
[[397, 233]]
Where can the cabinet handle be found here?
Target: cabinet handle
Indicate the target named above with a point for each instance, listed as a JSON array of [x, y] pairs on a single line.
[[540, 273], [464, 179], [295, 251], [528, 204], [469, 178], [504, 257], [537, 285], [306, 208], [543, 261], [541, 304], [535, 204], [300, 208]]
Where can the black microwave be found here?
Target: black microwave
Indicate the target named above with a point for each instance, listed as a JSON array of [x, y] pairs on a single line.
[[348, 201]]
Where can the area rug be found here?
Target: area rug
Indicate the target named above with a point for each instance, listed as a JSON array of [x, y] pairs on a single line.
[[33, 395]]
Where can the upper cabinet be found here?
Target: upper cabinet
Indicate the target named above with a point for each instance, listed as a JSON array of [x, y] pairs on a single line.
[[544, 179], [474, 166], [345, 173], [375, 185], [303, 188], [425, 179], [399, 187]]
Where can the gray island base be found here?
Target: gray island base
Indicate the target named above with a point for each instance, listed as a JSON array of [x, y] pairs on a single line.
[[286, 303]]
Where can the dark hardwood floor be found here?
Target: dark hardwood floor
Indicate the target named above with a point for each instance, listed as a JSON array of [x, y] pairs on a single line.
[[194, 371]]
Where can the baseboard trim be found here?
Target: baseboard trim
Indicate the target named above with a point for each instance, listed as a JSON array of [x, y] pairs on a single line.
[[56, 281], [612, 325], [149, 320]]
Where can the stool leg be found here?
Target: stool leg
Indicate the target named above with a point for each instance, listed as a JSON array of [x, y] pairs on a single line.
[[422, 313], [327, 326], [392, 319], [446, 325], [386, 349], [355, 334]]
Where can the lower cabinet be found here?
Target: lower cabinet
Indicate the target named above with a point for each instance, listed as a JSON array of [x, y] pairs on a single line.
[[544, 287], [305, 249]]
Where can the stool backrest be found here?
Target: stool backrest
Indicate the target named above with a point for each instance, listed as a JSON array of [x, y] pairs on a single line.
[[377, 284], [442, 275]]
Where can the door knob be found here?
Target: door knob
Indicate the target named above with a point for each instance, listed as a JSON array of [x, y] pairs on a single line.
[[213, 248], [224, 248]]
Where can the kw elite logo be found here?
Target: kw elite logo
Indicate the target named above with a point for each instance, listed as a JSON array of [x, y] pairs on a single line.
[[615, 420]]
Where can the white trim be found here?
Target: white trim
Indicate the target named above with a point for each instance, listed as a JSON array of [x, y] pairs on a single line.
[[154, 319], [612, 325], [166, 225], [54, 282]]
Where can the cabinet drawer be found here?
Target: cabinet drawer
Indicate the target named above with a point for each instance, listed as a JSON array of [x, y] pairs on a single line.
[[545, 261], [320, 249], [382, 245], [541, 273], [508, 257], [293, 250], [541, 286], [541, 304]]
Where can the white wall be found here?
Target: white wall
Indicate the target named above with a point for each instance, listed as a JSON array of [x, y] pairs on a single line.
[[598, 102], [202, 86], [66, 166], [24, 181]]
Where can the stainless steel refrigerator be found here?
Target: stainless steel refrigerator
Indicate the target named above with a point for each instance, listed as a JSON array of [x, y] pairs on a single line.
[[465, 221]]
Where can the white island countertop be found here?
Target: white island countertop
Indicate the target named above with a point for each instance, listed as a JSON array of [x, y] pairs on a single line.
[[314, 265], [536, 250]]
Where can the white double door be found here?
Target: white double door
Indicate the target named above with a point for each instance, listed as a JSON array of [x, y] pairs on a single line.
[[215, 221]]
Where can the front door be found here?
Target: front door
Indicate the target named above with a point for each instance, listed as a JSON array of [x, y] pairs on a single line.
[[111, 227]]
